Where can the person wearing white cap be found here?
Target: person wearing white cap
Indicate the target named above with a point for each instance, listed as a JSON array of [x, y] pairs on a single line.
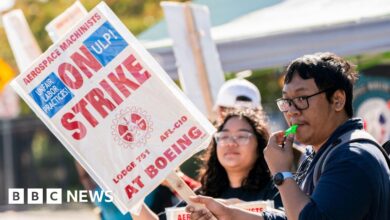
[[236, 93]]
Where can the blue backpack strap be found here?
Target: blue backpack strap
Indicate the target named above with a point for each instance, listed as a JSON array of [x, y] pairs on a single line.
[[349, 137]]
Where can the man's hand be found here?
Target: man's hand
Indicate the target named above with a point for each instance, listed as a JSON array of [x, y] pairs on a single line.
[[280, 159], [217, 210], [214, 209], [279, 156]]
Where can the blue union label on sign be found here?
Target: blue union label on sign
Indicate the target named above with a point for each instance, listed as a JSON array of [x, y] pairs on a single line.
[[51, 95], [105, 43]]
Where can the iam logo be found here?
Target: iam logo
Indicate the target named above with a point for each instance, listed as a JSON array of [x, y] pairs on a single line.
[[131, 127]]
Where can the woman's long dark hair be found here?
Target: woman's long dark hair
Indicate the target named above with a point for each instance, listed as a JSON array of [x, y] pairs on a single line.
[[214, 178]]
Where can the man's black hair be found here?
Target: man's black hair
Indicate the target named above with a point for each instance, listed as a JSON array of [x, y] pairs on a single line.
[[329, 71]]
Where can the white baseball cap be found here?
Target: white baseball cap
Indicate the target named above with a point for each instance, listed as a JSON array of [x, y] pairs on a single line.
[[238, 93]]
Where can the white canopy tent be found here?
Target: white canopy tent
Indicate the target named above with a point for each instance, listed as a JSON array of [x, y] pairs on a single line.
[[274, 35]]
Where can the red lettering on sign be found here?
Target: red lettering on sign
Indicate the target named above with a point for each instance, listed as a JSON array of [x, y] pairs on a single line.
[[100, 101], [97, 100], [86, 61], [185, 216], [161, 162], [194, 133], [73, 125], [135, 69], [176, 148], [81, 107], [111, 92], [121, 81], [184, 142], [169, 154], [151, 171], [75, 81], [130, 189], [124, 172], [39, 68]]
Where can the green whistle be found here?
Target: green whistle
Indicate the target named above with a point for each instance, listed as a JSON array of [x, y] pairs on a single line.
[[291, 130]]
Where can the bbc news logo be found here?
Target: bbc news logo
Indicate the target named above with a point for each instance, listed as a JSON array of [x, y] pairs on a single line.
[[54, 196]]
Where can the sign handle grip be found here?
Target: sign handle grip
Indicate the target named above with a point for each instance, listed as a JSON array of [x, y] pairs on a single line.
[[178, 184]]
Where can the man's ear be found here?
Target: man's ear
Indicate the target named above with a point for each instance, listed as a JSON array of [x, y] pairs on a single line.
[[338, 100]]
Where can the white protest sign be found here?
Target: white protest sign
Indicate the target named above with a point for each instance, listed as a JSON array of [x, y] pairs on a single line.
[[23, 44], [113, 107], [200, 70], [63, 22], [256, 206]]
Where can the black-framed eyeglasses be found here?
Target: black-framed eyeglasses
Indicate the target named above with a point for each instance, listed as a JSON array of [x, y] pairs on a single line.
[[300, 103], [240, 138]]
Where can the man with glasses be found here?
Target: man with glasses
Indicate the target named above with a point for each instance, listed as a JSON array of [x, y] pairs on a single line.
[[355, 181]]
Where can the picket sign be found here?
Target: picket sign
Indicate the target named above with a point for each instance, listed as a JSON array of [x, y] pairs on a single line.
[[199, 66], [113, 107], [256, 206], [178, 184], [23, 44], [66, 20], [24, 48], [58, 27]]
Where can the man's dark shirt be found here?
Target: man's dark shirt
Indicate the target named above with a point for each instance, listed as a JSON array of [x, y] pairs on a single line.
[[355, 184]]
